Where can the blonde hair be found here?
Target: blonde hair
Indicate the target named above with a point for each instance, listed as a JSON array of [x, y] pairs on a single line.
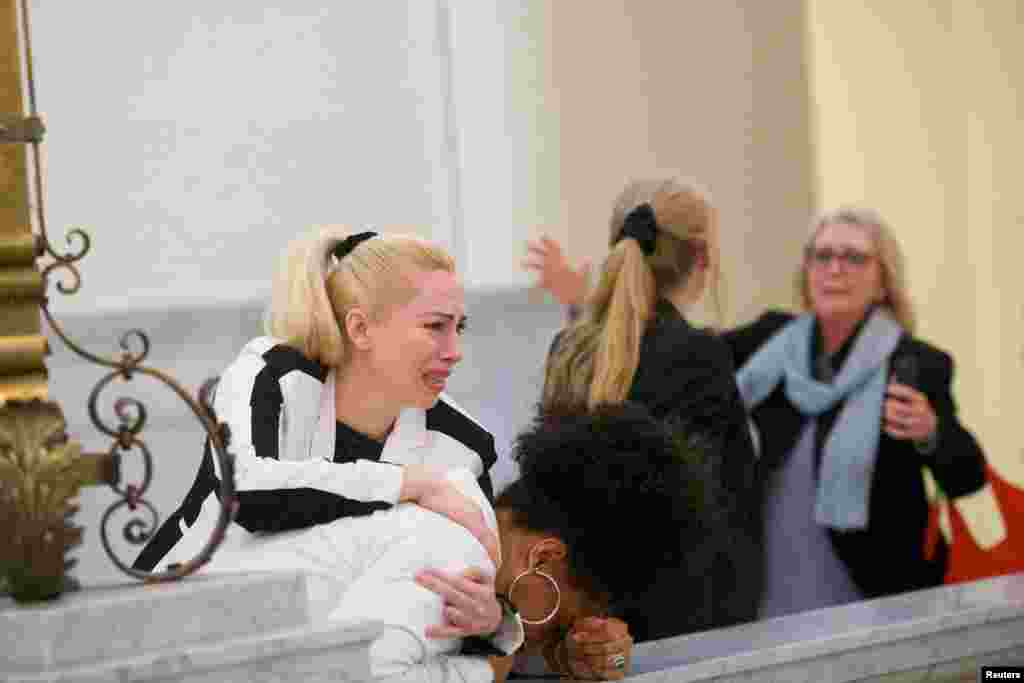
[[597, 357], [313, 291], [890, 257]]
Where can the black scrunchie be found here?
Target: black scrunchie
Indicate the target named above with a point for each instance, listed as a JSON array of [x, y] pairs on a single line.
[[641, 225], [350, 243]]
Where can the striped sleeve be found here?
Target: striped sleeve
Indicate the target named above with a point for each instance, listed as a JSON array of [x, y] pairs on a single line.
[[267, 400]]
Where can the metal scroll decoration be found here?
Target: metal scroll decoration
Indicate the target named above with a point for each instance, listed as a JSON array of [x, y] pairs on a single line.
[[127, 434]]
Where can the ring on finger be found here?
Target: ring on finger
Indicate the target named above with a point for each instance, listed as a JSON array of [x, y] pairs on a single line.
[[618, 661]]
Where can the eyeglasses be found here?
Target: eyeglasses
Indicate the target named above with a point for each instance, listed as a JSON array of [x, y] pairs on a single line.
[[850, 258]]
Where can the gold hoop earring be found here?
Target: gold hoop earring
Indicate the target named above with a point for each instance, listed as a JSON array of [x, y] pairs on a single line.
[[558, 596]]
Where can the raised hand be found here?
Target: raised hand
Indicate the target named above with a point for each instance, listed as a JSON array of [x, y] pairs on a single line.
[[546, 258]]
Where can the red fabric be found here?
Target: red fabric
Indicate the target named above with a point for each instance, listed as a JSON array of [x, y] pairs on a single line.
[[933, 534], [969, 562]]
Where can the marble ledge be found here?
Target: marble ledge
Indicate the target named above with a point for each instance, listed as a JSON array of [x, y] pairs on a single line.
[[941, 634], [850, 642], [104, 624], [957, 653], [335, 653]]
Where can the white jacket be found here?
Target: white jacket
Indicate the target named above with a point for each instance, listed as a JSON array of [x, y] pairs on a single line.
[[336, 518], [362, 572]]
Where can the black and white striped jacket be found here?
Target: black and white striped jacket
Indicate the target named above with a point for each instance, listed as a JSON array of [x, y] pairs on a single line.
[[279, 407]]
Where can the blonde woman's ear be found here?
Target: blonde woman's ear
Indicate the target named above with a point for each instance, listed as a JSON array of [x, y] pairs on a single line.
[[357, 326]]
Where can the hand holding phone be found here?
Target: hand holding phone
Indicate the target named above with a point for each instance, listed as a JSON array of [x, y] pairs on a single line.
[[907, 413]]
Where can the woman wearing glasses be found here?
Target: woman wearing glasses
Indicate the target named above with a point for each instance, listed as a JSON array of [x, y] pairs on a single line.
[[850, 406]]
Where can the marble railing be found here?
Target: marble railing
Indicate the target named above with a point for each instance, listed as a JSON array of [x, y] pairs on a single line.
[[936, 635], [262, 627], [208, 629]]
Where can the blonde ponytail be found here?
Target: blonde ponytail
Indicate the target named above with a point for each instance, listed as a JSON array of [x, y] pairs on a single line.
[[631, 298], [597, 360], [300, 312]]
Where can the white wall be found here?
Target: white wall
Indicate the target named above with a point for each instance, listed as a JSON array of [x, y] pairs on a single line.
[[193, 139], [508, 124], [714, 92]]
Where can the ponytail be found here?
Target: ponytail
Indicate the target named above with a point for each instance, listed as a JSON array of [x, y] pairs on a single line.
[[657, 230], [300, 311], [597, 360]]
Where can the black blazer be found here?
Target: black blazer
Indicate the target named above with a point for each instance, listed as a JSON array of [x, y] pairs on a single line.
[[888, 556], [686, 377]]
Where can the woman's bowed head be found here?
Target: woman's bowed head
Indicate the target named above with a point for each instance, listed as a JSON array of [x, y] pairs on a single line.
[[569, 526]]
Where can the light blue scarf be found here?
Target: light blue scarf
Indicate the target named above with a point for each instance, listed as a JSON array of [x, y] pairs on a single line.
[[851, 448]]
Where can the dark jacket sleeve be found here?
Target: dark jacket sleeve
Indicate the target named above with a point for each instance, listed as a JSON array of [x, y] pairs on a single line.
[[745, 340], [957, 461]]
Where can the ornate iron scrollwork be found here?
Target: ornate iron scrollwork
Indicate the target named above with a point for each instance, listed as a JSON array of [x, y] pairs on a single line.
[[126, 435]]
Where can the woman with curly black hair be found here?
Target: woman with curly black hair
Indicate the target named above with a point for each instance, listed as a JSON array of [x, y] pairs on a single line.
[[570, 552], [570, 524]]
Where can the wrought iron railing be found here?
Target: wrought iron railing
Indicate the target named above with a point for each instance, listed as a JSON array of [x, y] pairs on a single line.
[[40, 470]]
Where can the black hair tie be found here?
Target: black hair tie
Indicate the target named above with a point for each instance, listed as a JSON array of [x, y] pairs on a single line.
[[346, 246], [641, 225]]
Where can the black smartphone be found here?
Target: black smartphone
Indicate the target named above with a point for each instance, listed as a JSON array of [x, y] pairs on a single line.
[[904, 370]]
